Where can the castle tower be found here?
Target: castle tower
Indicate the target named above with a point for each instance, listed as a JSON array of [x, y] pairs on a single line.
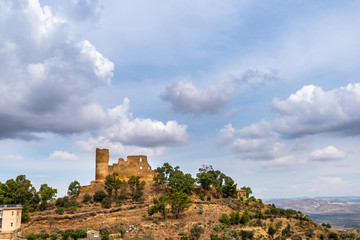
[[102, 164]]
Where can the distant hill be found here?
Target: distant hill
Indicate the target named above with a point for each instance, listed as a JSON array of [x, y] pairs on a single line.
[[340, 212]]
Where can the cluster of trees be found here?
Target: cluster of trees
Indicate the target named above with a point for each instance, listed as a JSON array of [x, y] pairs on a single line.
[[177, 181], [117, 190], [21, 191], [178, 201]]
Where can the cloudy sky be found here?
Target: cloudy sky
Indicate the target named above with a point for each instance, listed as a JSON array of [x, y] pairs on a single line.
[[267, 92]]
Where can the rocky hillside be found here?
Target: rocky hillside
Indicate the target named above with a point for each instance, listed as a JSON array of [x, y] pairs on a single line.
[[211, 218]]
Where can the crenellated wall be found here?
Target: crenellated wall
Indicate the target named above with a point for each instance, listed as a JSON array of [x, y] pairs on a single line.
[[133, 166]]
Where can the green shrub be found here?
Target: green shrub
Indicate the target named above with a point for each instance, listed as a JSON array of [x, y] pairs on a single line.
[[119, 202], [208, 198], [99, 196], [87, 198], [65, 235], [224, 218], [31, 236], [196, 231], [106, 202], [201, 196], [105, 234], [333, 235], [271, 231], [60, 210], [43, 235], [53, 237], [122, 231], [246, 235]]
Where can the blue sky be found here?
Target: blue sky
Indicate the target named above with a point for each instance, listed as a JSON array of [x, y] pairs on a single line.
[[267, 92]]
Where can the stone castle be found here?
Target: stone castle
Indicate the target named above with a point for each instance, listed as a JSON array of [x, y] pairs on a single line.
[[133, 166]]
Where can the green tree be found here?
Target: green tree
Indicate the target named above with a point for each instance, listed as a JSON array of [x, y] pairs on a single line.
[[271, 231], [46, 194], [179, 202], [245, 217], [136, 187], [229, 189], [182, 183], [248, 191], [160, 205], [74, 189], [206, 177], [164, 173], [99, 196]]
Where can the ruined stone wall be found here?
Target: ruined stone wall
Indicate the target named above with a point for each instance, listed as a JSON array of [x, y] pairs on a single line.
[[133, 166]]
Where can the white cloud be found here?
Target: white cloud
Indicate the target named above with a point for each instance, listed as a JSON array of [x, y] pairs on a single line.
[[123, 132], [254, 142], [61, 155], [186, 98], [47, 76], [311, 110], [283, 162], [11, 158], [332, 180], [327, 153]]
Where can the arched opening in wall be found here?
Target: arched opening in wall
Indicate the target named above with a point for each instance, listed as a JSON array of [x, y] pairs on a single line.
[[140, 167], [140, 159]]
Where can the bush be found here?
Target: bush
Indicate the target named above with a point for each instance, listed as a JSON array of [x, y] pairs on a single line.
[[65, 235], [246, 235], [105, 234], [208, 198], [122, 231], [60, 210], [86, 198], [53, 237], [196, 231], [224, 219], [31, 236], [271, 231], [333, 235], [99, 196], [201, 196], [106, 202], [43, 235]]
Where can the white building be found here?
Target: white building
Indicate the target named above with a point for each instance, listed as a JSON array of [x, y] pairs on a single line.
[[10, 220]]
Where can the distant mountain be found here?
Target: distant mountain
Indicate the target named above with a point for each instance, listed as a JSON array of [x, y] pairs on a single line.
[[340, 212]]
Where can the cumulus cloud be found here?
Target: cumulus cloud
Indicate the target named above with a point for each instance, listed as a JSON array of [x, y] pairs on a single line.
[[11, 158], [61, 155], [124, 132], [311, 110], [80, 10], [327, 153], [186, 98], [46, 76], [257, 78], [332, 180], [253, 142], [283, 162]]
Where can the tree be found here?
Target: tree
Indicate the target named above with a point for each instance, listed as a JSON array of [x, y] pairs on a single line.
[[160, 205], [229, 189], [245, 217], [164, 173], [179, 202], [136, 187], [99, 196], [182, 183], [248, 191], [271, 231], [74, 189], [206, 177], [46, 194]]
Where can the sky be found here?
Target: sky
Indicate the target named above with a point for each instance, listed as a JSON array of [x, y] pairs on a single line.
[[267, 92]]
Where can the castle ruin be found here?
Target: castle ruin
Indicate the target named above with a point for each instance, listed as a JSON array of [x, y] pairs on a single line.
[[133, 166]]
